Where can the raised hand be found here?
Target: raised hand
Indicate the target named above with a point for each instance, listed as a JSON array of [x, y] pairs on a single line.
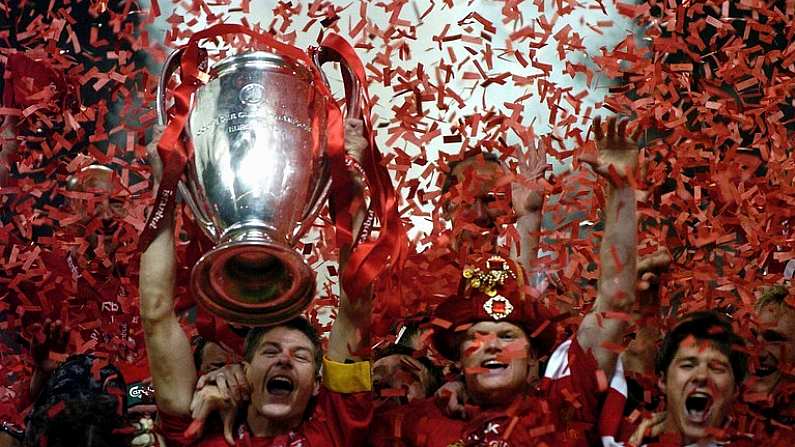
[[617, 156], [527, 195], [616, 160], [455, 395], [52, 337], [649, 267], [649, 428], [230, 380], [355, 142], [207, 401]]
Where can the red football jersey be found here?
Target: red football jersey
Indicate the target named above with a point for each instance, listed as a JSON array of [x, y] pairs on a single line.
[[563, 412]]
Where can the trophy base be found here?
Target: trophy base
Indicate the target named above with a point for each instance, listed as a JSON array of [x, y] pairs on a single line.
[[253, 283]]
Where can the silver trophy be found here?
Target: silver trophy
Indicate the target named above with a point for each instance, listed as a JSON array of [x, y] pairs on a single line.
[[258, 177]]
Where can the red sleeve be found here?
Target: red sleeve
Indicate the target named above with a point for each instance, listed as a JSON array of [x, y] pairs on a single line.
[[571, 386], [340, 419], [611, 416], [172, 429], [385, 431]]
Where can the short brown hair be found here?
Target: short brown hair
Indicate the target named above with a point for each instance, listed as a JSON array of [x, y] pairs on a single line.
[[709, 326]]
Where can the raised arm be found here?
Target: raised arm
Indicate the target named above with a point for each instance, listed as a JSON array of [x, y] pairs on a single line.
[[527, 196], [616, 161], [349, 338], [167, 345]]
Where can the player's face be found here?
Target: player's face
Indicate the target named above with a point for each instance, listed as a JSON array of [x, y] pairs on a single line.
[[282, 375], [699, 388], [481, 201], [777, 338], [400, 379], [495, 357]]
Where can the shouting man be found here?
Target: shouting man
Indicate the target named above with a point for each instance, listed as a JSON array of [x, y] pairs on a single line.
[[290, 404], [700, 367]]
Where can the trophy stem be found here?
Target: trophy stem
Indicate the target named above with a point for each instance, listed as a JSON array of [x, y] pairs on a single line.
[[251, 279]]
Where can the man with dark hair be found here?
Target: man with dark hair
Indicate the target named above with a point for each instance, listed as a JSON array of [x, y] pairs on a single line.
[[289, 403], [703, 326], [498, 332], [402, 373], [300, 324], [209, 355], [700, 367]]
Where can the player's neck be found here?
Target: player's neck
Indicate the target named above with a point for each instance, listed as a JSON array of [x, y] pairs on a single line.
[[263, 427], [671, 429], [498, 400]]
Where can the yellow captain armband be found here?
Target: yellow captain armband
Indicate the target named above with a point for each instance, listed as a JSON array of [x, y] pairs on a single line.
[[346, 377]]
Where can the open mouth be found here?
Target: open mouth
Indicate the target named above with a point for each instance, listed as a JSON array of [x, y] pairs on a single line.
[[494, 365], [767, 366], [697, 406], [765, 370], [280, 386]]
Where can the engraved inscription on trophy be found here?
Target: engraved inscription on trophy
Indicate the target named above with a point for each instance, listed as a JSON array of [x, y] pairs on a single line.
[[257, 112], [263, 115], [256, 181]]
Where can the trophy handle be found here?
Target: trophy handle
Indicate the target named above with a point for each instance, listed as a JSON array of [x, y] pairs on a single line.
[[169, 67], [198, 213], [353, 91]]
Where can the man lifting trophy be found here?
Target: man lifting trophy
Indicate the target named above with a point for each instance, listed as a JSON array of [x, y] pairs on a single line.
[[254, 140]]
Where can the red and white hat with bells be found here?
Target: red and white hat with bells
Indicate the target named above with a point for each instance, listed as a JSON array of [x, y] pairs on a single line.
[[493, 289]]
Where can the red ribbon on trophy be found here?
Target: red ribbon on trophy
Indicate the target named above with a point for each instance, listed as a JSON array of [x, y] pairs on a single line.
[[369, 258]]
